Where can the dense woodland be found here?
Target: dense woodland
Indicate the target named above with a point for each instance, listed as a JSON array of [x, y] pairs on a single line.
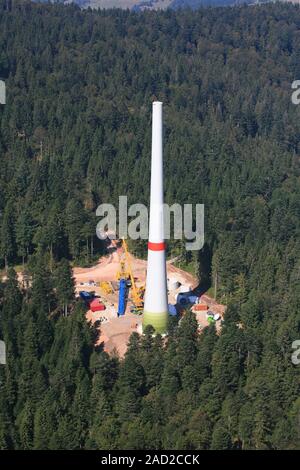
[[75, 132]]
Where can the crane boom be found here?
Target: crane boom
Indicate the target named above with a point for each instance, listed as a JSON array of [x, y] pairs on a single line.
[[137, 299]]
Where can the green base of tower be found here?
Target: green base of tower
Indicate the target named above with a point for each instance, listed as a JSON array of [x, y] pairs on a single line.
[[159, 321]]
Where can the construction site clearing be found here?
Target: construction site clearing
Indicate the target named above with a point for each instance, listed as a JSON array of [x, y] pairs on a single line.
[[118, 318]]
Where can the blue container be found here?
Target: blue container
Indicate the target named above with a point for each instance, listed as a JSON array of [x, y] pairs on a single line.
[[85, 295], [122, 297], [172, 310]]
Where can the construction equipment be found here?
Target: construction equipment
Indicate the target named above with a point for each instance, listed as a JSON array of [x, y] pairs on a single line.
[[106, 287], [136, 293], [122, 273], [125, 273], [122, 297]]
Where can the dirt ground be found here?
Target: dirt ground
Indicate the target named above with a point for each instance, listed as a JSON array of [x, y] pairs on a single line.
[[115, 331], [107, 267]]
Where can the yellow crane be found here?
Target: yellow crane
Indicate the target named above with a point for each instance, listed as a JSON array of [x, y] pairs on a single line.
[[123, 273], [126, 273]]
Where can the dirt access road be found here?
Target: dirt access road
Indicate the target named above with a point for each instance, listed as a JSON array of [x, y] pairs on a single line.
[[108, 266]]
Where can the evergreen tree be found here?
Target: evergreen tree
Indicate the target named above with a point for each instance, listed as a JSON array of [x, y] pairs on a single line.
[[64, 285]]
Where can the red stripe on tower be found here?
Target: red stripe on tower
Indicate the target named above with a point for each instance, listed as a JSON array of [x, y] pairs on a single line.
[[156, 246]]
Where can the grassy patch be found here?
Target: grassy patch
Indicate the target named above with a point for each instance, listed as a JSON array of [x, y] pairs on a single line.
[[188, 267]]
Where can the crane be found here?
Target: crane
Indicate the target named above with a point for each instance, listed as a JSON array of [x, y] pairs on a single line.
[[125, 272]]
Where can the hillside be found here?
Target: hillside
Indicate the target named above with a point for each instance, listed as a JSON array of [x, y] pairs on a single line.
[[141, 5], [76, 132]]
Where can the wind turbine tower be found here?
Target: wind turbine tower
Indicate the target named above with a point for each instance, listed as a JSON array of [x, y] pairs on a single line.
[[156, 297]]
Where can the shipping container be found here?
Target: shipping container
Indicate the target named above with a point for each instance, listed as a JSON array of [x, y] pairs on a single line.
[[97, 306], [200, 308], [85, 295]]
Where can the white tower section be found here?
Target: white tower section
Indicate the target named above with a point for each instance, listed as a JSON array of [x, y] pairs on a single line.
[[156, 300]]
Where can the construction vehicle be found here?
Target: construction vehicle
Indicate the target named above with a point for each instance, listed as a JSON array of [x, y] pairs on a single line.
[[136, 294], [106, 287], [126, 274]]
